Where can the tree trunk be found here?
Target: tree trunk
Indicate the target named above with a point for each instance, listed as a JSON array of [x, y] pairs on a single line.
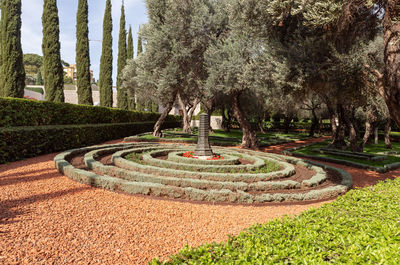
[[348, 115], [249, 139], [391, 87], [209, 113], [314, 124], [159, 123], [286, 123], [369, 125], [376, 133], [260, 125], [388, 128], [185, 120], [227, 121], [338, 132]]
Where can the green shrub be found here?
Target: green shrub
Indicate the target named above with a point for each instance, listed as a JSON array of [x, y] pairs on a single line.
[[361, 227], [22, 142], [22, 112]]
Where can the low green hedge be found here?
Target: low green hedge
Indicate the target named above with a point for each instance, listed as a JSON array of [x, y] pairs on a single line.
[[22, 112], [17, 143], [361, 227]]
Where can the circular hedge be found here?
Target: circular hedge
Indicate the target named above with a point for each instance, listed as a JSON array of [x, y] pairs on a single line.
[[243, 176]]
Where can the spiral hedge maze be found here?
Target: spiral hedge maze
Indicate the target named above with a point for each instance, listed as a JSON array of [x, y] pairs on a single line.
[[243, 176]]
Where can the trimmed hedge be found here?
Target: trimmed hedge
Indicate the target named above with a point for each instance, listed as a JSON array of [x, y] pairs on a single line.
[[360, 227], [23, 142], [23, 112], [115, 178]]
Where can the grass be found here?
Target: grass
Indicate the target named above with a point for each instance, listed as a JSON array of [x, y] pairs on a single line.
[[361, 227], [234, 137], [370, 148], [35, 89], [270, 166]]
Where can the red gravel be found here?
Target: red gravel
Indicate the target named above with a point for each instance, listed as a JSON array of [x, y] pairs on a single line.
[[46, 218]]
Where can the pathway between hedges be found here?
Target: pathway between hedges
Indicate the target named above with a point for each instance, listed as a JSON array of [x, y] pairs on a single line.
[[46, 218]]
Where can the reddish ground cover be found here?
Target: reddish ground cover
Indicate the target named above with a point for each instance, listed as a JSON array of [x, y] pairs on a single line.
[[46, 218]]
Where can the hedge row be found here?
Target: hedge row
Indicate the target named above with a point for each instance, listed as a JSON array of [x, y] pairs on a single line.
[[23, 112], [360, 227], [23, 142]]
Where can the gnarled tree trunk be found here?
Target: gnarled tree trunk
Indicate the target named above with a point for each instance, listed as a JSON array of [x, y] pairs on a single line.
[[391, 86], [370, 123], [314, 123], [348, 116], [249, 139], [338, 132], [388, 128], [227, 121], [187, 114], [163, 116]]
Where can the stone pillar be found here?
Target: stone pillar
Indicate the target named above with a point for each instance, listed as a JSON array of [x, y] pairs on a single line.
[[203, 147]]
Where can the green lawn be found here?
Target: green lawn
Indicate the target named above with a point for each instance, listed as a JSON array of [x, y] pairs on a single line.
[[361, 227], [234, 137], [35, 89], [370, 148]]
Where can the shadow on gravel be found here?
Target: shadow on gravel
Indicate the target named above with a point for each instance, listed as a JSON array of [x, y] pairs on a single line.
[[8, 213], [26, 173], [16, 180]]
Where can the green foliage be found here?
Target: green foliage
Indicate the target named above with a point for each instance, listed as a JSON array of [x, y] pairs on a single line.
[[23, 142], [122, 57], [106, 62], [140, 45], [12, 72], [83, 55], [130, 51], [358, 228], [22, 112], [53, 69], [39, 79], [35, 89], [32, 63]]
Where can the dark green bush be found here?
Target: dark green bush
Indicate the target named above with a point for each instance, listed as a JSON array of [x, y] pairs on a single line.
[[22, 112], [22, 142], [361, 227]]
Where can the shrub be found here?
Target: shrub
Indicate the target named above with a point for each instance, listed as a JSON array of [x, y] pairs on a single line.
[[23, 142], [22, 112], [361, 227]]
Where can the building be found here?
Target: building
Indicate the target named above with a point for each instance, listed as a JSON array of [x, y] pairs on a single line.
[[70, 71]]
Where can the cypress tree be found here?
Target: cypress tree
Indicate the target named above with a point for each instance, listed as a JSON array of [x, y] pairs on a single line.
[[53, 69], [106, 62], [82, 55], [139, 45], [130, 52], [121, 92], [39, 79], [139, 104], [12, 66]]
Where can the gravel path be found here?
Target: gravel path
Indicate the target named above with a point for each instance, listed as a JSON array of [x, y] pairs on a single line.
[[46, 218]]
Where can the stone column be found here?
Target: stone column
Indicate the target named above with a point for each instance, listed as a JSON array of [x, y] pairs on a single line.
[[203, 147]]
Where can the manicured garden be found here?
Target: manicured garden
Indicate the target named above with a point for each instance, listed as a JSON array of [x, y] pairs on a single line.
[[220, 137], [383, 157], [361, 227]]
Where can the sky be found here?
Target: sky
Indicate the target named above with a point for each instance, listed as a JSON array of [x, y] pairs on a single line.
[[136, 15]]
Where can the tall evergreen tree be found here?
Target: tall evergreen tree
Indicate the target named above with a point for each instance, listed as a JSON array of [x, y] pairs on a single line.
[[130, 52], [39, 79], [53, 70], [12, 67], [121, 92], [82, 55], [106, 62], [139, 45], [139, 103]]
